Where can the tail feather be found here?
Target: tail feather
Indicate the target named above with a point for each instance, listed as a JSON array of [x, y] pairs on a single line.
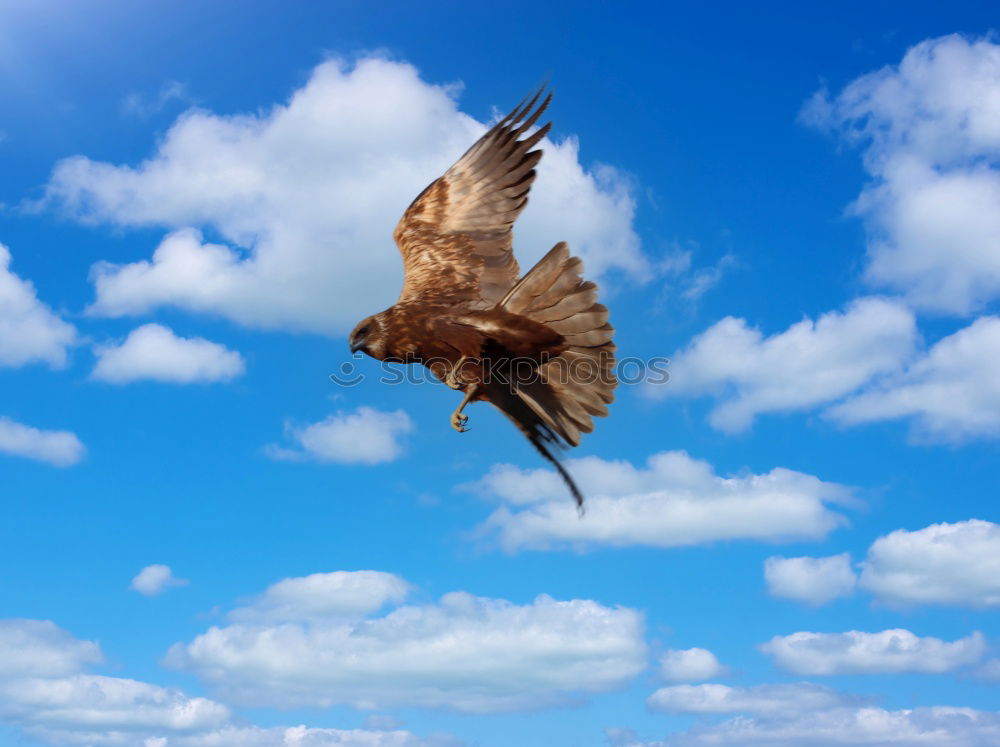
[[567, 282], [538, 280], [578, 384], [590, 400], [580, 300], [582, 321], [593, 338], [532, 419]]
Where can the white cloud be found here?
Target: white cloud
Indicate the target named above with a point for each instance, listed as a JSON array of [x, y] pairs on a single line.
[[837, 727], [95, 702], [780, 698], [863, 365], [932, 147], [947, 564], [307, 193], [690, 665], [233, 735], [464, 652], [808, 365], [59, 448], [29, 331], [155, 353], [155, 579], [812, 580], [365, 436], [45, 694], [941, 564], [301, 736], [951, 393], [887, 652], [674, 501], [40, 648], [339, 594]]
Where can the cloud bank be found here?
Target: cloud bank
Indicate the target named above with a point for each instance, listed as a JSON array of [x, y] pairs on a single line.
[[45, 693], [941, 564], [856, 652], [462, 652], [810, 364], [673, 501], [930, 132], [952, 393], [304, 197]]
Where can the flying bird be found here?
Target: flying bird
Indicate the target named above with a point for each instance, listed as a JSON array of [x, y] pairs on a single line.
[[537, 347]]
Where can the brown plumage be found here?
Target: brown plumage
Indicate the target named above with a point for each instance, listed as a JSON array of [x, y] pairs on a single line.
[[539, 348]]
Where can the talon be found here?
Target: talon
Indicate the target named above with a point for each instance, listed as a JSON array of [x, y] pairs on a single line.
[[451, 379], [458, 422]]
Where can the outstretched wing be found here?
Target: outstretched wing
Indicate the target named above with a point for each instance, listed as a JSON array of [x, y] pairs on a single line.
[[455, 238]]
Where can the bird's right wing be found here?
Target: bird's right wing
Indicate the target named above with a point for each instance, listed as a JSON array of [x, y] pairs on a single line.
[[455, 238]]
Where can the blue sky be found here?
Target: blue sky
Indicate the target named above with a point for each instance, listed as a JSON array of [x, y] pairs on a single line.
[[207, 541]]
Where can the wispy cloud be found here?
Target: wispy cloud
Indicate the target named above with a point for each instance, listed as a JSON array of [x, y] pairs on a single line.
[[141, 105]]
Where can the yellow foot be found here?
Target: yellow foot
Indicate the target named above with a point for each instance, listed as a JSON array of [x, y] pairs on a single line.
[[458, 421], [452, 379]]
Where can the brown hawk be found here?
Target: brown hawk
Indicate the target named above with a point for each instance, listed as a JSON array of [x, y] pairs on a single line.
[[538, 347]]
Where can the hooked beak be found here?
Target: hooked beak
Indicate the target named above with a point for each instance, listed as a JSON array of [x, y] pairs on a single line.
[[357, 345]]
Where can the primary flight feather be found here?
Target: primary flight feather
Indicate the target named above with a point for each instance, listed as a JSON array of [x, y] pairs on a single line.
[[538, 347]]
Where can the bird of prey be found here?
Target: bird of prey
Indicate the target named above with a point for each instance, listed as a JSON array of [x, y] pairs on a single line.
[[538, 347]]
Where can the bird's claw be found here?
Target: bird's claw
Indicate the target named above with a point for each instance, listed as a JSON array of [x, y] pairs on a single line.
[[458, 421], [451, 378]]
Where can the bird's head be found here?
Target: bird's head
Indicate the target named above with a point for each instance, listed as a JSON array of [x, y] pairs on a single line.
[[369, 337]]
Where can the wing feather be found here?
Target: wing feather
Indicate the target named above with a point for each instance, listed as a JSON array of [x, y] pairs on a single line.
[[455, 238]]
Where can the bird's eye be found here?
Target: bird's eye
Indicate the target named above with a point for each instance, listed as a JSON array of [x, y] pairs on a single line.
[[363, 331]]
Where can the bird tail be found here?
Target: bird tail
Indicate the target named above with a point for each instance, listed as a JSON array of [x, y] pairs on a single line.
[[578, 384], [525, 413], [581, 378]]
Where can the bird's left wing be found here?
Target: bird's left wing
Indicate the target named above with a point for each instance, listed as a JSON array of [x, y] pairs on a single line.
[[455, 238]]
